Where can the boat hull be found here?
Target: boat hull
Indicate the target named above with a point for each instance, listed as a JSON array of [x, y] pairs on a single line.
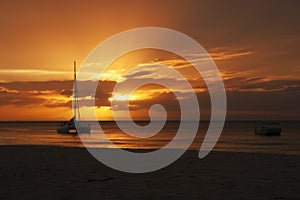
[[268, 131], [62, 130], [84, 130], [79, 129]]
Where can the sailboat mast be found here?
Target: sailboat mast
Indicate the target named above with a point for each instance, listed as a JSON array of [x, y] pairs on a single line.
[[75, 93]]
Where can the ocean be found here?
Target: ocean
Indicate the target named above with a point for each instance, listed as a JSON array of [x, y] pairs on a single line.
[[237, 136]]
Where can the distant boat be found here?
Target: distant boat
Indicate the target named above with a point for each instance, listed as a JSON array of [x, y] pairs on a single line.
[[268, 129], [74, 126]]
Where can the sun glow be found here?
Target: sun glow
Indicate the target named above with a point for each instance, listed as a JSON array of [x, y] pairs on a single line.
[[141, 94], [122, 97]]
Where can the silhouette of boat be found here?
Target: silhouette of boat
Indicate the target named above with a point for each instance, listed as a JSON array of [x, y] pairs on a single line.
[[74, 126], [268, 129]]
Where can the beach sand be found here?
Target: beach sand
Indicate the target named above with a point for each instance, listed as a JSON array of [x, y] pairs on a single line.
[[48, 172]]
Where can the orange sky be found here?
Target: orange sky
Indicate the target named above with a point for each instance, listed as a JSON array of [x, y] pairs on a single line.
[[255, 46]]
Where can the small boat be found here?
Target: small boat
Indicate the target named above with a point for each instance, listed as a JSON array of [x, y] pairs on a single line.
[[74, 126], [268, 129]]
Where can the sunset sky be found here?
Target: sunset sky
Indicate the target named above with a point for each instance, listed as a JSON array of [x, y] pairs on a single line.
[[256, 46]]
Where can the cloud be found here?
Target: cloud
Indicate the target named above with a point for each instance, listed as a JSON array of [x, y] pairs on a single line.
[[256, 96], [18, 99], [55, 86], [227, 53], [49, 93], [9, 75], [259, 84], [275, 96]]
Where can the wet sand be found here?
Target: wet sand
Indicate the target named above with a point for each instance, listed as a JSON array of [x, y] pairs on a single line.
[[48, 172]]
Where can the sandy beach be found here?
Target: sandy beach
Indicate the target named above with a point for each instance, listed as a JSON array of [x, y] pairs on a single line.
[[48, 172]]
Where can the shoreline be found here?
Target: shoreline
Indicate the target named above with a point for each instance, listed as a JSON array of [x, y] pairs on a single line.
[[145, 150], [171, 121], [52, 172]]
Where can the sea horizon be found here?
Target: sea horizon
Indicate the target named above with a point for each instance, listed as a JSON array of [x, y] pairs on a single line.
[[237, 136]]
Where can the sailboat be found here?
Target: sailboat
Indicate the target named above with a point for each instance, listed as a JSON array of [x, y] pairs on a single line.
[[268, 129], [74, 125]]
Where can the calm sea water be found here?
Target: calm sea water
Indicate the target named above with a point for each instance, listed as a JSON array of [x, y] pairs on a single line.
[[236, 137]]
